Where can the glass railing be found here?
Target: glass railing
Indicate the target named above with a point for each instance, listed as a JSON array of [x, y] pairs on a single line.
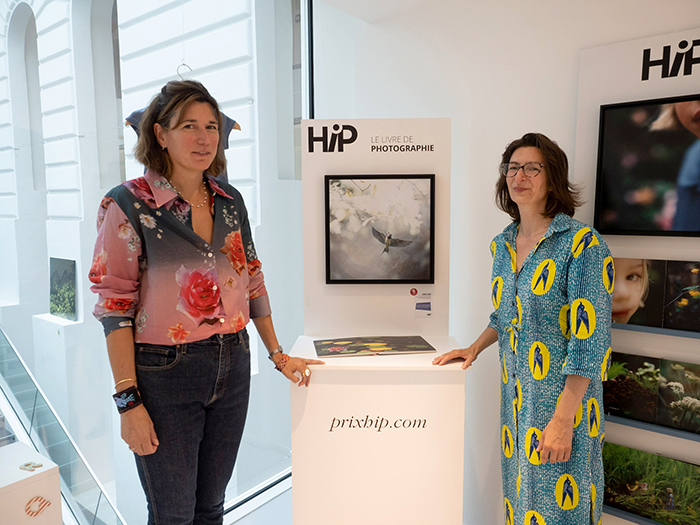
[[83, 494]]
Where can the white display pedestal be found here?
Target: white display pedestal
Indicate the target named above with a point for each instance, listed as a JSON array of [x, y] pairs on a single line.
[[378, 439], [28, 497]]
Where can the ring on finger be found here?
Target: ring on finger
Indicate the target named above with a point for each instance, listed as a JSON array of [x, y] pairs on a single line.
[[307, 372]]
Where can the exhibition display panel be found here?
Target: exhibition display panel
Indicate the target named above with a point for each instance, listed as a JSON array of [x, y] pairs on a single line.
[[379, 439]]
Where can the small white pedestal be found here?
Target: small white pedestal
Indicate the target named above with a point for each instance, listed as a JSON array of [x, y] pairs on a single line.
[[378, 439], [28, 497]]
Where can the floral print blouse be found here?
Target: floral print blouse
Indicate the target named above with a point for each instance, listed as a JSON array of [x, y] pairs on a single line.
[[152, 272]]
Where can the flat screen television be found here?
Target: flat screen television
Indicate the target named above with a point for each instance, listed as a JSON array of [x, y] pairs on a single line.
[[648, 173]]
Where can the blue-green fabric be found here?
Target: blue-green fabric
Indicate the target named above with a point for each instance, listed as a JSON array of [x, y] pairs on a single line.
[[553, 319]]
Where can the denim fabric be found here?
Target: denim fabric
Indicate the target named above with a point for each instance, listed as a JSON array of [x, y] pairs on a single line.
[[197, 396]]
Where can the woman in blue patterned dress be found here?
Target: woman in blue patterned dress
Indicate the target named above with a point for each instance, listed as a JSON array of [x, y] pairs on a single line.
[[551, 288]]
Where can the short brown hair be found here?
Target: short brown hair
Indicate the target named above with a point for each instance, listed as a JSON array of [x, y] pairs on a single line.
[[562, 196], [175, 95]]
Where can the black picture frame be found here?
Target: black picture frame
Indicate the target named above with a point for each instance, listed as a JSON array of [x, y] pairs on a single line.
[[638, 169], [380, 229]]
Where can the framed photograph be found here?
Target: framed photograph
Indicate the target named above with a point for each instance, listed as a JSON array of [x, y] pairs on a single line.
[[654, 487], [656, 293], [679, 394], [632, 388], [380, 229], [648, 174]]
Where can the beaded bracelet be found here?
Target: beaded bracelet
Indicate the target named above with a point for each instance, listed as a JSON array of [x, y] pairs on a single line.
[[282, 362], [127, 399]]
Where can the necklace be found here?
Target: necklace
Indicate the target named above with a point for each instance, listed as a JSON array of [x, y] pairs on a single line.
[[206, 195]]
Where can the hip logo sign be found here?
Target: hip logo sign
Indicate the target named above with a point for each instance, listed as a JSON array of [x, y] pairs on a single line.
[[36, 506]]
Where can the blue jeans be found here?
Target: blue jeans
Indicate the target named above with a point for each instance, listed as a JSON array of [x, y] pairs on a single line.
[[197, 396]]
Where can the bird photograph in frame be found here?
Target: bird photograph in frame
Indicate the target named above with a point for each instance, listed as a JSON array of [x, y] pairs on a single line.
[[380, 229]]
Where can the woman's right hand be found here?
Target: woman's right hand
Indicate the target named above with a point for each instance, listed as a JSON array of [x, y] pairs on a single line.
[[138, 431], [469, 355]]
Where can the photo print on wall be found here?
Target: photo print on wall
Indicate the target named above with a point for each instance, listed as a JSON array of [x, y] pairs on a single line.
[[655, 487], [656, 293], [380, 229], [652, 390], [648, 176]]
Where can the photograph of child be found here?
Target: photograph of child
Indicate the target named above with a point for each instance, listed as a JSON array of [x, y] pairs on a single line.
[[638, 294]]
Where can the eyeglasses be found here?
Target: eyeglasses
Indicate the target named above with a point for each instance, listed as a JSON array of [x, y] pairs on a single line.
[[530, 169]]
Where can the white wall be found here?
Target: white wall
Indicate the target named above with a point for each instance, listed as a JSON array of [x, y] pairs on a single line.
[[498, 69]]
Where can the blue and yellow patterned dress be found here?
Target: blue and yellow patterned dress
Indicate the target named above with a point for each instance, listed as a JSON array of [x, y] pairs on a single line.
[[553, 319]]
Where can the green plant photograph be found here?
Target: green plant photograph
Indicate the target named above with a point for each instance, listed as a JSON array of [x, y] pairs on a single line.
[[632, 388], [656, 487]]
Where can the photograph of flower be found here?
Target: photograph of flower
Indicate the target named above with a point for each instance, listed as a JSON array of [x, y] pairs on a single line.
[[380, 229], [679, 391], [649, 167], [655, 487], [682, 298], [349, 346], [632, 388]]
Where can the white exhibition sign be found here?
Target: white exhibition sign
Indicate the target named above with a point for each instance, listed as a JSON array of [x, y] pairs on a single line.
[[377, 439], [374, 147]]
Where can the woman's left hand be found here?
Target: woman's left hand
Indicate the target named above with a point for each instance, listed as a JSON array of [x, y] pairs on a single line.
[[555, 444], [297, 366]]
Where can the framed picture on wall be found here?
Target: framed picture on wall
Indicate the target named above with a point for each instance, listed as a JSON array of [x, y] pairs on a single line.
[[380, 229], [648, 175]]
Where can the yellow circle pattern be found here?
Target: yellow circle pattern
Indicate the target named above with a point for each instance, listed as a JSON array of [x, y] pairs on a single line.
[[539, 520], [493, 250], [566, 492], [543, 277], [605, 366], [564, 324], [513, 258], [609, 274], [583, 319], [593, 417], [584, 238], [533, 436], [507, 441], [496, 290], [538, 360], [504, 372], [508, 510]]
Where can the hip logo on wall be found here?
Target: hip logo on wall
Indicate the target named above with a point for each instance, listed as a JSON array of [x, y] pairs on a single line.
[[36, 506], [338, 138], [685, 57]]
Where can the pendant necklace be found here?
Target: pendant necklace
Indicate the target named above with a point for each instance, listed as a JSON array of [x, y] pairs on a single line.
[[206, 195]]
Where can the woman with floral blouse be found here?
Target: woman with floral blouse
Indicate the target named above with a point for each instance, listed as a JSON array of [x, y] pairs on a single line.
[[178, 279], [551, 288]]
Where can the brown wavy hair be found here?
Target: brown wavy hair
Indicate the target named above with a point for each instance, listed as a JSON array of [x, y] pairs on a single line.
[[175, 96], [562, 195]]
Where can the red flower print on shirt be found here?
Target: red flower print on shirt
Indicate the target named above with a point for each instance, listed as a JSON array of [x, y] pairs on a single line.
[[141, 190], [254, 267], [117, 304], [177, 333], [238, 322], [233, 248], [200, 294], [98, 268]]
